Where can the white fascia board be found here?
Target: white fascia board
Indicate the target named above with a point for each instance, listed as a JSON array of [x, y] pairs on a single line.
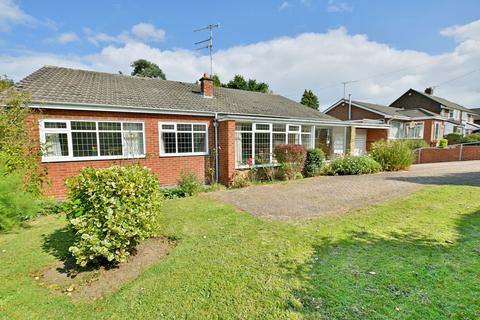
[[245, 118]]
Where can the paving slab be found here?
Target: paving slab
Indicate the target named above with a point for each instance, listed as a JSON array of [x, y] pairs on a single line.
[[325, 195]]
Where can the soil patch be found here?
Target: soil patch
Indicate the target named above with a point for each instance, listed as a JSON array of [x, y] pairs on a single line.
[[93, 283]]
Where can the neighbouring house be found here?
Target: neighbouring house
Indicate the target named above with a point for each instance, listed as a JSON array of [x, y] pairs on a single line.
[[88, 118], [476, 116], [402, 123], [460, 118]]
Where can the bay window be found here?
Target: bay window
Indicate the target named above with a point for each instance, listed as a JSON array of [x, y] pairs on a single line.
[[67, 140], [414, 130], [255, 141], [183, 139]]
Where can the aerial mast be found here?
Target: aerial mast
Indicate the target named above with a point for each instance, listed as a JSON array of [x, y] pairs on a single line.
[[209, 42]]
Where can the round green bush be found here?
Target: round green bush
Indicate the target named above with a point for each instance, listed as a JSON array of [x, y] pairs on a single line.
[[392, 155], [313, 162], [454, 138], [110, 211], [353, 165]]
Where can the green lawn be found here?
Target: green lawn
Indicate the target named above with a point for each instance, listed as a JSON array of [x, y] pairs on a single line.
[[415, 258]]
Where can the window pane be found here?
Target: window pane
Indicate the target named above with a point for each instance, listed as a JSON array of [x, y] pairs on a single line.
[[168, 126], [323, 140], [115, 126], [84, 144], [81, 125], [134, 143], [199, 140], [184, 142], [128, 126], [199, 127], [279, 127], [294, 128], [279, 138], [168, 142], [243, 126], [55, 125], [306, 140], [293, 138], [184, 127], [110, 143], [262, 147], [243, 148], [306, 128], [56, 145], [262, 126]]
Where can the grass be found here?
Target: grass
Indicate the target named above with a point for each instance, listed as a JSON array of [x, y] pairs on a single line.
[[406, 259]]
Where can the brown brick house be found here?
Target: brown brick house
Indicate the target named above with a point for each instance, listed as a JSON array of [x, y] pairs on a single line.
[[414, 123], [98, 119], [460, 118]]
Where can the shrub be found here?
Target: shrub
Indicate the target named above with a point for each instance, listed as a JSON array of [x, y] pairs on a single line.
[[442, 143], [415, 143], [454, 138], [291, 158], [393, 155], [110, 211], [352, 165], [16, 204], [313, 162], [474, 137], [189, 183], [240, 179], [172, 193]]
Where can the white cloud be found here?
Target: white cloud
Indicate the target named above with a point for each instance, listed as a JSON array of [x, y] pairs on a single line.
[[66, 37], [283, 6], [336, 6], [147, 31], [317, 61], [11, 14], [470, 31], [142, 31]]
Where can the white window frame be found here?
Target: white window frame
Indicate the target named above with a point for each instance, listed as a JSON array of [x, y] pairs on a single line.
[[271, 132], [68, 131], [184, 154], [436, 125]]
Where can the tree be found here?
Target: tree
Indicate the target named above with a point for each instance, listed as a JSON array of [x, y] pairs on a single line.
[[216, 81], [5, 83], [145, 68], [309, 99], [239, 82]]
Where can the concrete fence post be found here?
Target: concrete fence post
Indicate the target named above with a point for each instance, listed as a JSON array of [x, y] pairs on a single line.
[[419, 156], [461, 152]]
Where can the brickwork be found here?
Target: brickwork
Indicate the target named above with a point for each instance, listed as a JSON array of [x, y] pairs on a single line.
[[167, 168], [375, 135], [341, 112], [430, 155]]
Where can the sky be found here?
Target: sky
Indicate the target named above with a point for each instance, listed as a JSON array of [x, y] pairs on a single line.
[[387, 47]]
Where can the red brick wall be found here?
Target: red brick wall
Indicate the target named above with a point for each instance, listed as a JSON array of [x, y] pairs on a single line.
[[341, 112], [375, 135], [226, 152], [430, 155], [167, 168]]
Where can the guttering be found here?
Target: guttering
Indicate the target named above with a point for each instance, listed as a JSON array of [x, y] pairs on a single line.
[[252, 118]]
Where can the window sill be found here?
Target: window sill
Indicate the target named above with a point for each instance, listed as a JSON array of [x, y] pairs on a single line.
[[50, 160], [168, 155]]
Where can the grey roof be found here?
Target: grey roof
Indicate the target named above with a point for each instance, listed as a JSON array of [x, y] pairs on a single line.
[[445, 102], [391, 111], [417, 113], [63, 85]]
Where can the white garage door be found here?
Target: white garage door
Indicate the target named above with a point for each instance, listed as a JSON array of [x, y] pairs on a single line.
[[360, 142]]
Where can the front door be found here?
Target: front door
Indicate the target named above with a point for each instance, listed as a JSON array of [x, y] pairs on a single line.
[[360, 142]]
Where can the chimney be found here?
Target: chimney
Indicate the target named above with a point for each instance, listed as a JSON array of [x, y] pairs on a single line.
[[206, 86], [429, 90]]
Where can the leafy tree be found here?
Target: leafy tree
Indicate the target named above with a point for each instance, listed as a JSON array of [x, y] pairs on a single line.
[[239, 82], [5, 83], [145, 68], [309, 99], [216, 81]]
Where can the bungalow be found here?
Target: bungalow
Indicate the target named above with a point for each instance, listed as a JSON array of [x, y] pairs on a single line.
[[460, 119], [88, 118], [402, 123]]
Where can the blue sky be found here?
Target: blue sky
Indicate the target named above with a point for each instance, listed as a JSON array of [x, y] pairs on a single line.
[[103, 35]]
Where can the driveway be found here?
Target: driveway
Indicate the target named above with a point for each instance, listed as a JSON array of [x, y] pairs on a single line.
[[323, 196]]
